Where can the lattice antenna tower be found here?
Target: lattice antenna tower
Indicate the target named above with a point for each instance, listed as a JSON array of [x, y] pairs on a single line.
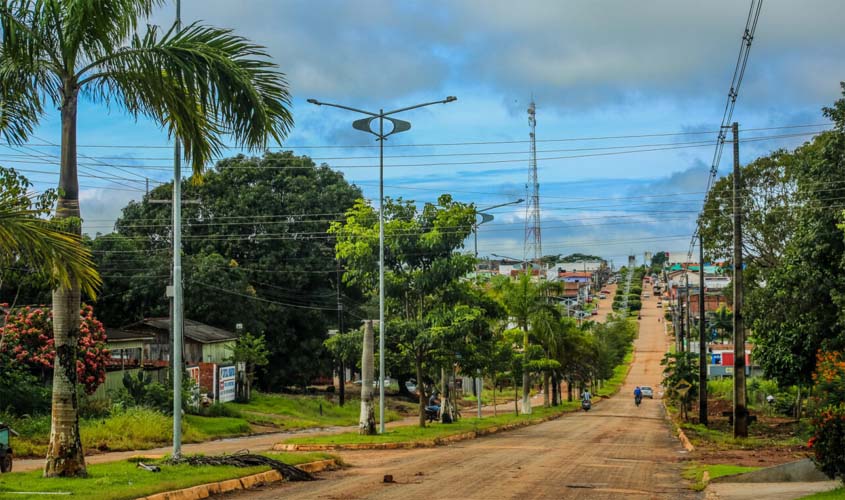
[[533, 248]]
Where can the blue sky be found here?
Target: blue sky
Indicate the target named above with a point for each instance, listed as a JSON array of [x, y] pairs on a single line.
[[595, 69]]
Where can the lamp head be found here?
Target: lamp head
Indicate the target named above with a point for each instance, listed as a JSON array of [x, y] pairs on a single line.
[[315, 102], [451, 98]]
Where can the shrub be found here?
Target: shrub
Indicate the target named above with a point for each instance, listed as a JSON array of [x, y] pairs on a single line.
[[22, 393], [828, 441]]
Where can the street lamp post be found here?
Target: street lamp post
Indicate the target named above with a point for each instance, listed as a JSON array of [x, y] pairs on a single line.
[[365, 125], [485, 217]]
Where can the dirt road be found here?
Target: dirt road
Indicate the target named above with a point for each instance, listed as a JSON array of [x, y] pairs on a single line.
[[617, 450]]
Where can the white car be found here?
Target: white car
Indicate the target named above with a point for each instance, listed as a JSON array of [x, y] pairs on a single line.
[[647, 391]]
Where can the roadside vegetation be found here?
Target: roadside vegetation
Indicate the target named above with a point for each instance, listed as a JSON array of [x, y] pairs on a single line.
[[124, 480], [696, 472]]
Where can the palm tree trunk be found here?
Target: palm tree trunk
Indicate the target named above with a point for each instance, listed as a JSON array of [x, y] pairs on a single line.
[[546, 388], [526, 379], [367, 420], [65, 456]]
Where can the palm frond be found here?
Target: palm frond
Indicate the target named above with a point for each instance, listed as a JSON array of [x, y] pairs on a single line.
[[202, 82], [27, 239]]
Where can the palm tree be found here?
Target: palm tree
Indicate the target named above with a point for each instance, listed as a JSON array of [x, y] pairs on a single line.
[[201, 83], [26, 238], [526, 303]]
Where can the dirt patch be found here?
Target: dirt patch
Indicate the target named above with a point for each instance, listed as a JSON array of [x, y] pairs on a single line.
[[765, 457]]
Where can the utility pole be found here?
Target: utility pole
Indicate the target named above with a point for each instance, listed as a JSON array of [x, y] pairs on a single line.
[[740, 408], [680, 320], [689, 315], [176, 320], [702, 339]]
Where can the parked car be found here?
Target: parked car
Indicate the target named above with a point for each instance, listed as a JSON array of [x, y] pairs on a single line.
[[659, 304], [646, 295], [595, 312], [648, 392], [602, 296]]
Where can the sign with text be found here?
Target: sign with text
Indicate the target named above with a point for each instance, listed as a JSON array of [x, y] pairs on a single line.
[[226, 384]]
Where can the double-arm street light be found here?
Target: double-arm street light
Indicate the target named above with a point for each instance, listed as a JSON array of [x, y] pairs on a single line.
[[485, 218], [366, 125]]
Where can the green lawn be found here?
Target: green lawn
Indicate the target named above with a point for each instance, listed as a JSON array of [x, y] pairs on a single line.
[[124, 480], [700, 435], [695, 472], [413, 433], [299, 412]]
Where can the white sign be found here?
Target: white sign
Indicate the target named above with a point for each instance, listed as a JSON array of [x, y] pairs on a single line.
[[226, 384]]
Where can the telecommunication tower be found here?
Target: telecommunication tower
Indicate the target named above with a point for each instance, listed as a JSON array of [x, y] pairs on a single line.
[[533, 249]]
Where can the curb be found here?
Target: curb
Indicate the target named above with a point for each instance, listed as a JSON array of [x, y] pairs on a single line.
[[680, 432], [429, 443], [243, 483]]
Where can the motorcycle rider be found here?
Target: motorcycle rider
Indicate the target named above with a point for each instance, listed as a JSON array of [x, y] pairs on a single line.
[[434, 403], [638, 395]]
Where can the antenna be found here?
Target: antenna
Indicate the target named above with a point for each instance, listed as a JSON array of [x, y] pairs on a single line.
[[533, 248]]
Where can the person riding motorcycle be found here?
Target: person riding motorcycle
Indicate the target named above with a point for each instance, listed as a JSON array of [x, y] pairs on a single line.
[[638, 395], [433, 404], [586, 400]]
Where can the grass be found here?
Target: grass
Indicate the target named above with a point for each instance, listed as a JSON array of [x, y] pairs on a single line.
[[695, 472], [414, 433], [700, 435], [143, 428], [300, 412], [123, 480], [837, 494], [132, 429]]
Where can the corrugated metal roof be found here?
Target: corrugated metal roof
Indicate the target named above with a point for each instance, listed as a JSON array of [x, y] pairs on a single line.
[[118, 335], [194, 330]]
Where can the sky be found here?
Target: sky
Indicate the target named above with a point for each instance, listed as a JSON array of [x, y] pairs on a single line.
[[599, 72]]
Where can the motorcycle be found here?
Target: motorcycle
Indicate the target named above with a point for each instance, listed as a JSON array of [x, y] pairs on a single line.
[[638, 400], [586, 405], [432, 414]]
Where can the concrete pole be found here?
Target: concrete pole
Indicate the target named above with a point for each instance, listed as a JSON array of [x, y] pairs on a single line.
[[740, 408], [381, 325], [178, 307], [702, 339]]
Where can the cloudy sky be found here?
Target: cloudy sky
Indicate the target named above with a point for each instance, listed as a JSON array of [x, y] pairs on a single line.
[[600, 73]]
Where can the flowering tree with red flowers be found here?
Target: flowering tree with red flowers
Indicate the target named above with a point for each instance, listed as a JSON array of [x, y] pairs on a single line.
[[27, 338], [828, 441]]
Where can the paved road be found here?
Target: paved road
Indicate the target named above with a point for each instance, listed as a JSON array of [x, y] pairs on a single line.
[[615, 451]]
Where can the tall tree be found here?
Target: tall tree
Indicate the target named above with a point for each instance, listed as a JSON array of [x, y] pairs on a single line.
[[808, 284], [199, 82], [254, 254], [422, 273]]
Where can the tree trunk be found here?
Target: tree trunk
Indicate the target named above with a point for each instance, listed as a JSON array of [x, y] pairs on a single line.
[[495, 383], [341, 391], [555, 390], [65, 456], [367, 420], [515, 397], [569, 388], [526, 378], [445, 398], [420, 391], [546, 389]]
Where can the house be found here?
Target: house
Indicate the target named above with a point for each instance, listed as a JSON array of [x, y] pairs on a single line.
[[203, 343]]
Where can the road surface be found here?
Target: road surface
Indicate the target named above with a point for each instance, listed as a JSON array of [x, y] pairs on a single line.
[[617, 450]]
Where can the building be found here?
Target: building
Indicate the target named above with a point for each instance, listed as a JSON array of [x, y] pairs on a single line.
[[203, 343]]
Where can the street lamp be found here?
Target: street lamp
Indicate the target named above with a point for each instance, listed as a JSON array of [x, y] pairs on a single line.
[[485, 218], [399, 126]]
